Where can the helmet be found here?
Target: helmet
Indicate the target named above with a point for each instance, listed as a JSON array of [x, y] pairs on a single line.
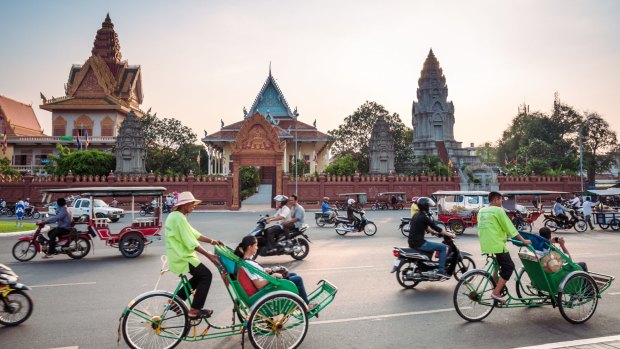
[[281, 198], [414, 199], [325, 199], [350, 201], [424, 204], [558, 200]]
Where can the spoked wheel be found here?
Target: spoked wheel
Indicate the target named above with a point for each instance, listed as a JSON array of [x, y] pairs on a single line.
[[36, 215], [301, 248], [578, 299], [79, 248], [604, 226], [524, 226], [552, 225], [615, 224], [370, 229], [278, 321], [155, 321], [17, 309], [24, 251], [525, 288], [402, 271], [472, 296], [441, 225], [320, 222], [341, 229], [131, 246], [457, 227], [581, 226], [463, 266]]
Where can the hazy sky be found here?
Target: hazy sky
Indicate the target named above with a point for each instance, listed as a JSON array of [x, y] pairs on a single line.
[[203, 61]]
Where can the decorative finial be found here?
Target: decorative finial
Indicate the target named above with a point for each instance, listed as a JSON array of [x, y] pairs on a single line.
[[42, 97], [205, 131], [245, 112], [222, 122], [270, 68], [314, 123]]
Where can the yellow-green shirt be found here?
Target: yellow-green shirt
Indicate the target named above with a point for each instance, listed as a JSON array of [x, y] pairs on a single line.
[[494, 229], [414, 209], [181, 242]]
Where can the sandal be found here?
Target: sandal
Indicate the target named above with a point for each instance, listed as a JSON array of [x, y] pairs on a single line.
[[498, 298], [202, 314]]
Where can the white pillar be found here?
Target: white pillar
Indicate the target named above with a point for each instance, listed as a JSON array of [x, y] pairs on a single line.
[[209, 161], [285, 160]]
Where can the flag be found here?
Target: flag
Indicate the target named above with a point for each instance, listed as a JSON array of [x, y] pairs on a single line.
[[86, 141], [79, 144], [4, 144]]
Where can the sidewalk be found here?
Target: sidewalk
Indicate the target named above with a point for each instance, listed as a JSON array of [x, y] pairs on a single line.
[[590, 343]]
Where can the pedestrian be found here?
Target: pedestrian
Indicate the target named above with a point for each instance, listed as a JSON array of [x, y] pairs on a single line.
[[587, 211]]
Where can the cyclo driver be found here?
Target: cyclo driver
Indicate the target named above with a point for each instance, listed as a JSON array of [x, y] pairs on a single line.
[[283, 213], [422, 223]]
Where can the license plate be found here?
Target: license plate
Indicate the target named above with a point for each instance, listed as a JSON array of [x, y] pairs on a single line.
[[396, 262]]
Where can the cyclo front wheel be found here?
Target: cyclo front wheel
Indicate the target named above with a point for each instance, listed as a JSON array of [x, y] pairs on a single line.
[[156, 320], [578, 298], [278, 321], [472, 295]]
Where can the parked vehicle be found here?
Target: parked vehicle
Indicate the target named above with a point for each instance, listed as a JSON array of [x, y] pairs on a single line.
[[326, 218], [413, 266], [82, 207], [554, 223], [297, 245], [16, 303], [76, 244], [343, 226]]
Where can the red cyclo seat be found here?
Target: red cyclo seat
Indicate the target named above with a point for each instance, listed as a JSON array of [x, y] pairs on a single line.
[[246, 282]]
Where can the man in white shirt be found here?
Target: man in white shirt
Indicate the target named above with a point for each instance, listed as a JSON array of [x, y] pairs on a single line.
[[587, 211], [575, 202], [283, 213]]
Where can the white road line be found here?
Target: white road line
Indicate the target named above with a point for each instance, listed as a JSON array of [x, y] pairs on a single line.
[[573, 343], [58, 285], [340, 268], [75, 347], [614, 293], [385, 316]]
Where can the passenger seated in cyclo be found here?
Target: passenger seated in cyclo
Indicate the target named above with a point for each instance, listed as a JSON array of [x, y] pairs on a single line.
[[546, 233], [283, 213], [247, 249]]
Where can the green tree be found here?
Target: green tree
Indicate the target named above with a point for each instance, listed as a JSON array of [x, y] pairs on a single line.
[[250, 179], [431, 165], [5, 167], [171, 146], [487, 153], [353, 135], [303, 167], [342, 166], [599, 146], [81, 162]]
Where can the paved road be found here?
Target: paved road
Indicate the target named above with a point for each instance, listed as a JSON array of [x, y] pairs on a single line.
[[78, 303]]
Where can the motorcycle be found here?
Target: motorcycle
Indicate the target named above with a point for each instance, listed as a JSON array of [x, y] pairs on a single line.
[[343, 226], [16, 304], [405, 227], [326, 218], [413, 266], [554, 223], [32, 212], [146, 209], [166, 208], [76, 244], [296, 245]]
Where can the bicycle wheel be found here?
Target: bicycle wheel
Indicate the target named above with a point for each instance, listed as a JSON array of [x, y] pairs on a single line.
[[578, 299], [401, 274], [463, 266], [17, 309], [156, 320], [370, 229], [24, 251], [278, 321], [472, 296]]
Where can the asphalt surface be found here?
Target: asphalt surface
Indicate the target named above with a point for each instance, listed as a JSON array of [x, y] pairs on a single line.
[[78, 302]]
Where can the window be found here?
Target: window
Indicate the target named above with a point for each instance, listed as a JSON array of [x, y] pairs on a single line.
[[21, 160], [473, 200], [85, 203], [59, 127], [82, 132]]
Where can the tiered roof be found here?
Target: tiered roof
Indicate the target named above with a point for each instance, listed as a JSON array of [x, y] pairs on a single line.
[[19, 118]]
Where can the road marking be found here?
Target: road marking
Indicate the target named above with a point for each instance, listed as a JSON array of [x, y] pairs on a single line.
[[341, 268], [385, 316], [58, 285], [573, 343], [614, 293], [74, 347]]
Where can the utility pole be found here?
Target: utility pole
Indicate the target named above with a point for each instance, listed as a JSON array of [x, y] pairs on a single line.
[[581, 151]]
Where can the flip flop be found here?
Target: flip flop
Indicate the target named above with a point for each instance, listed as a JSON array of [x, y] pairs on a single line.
[[202, 314], [498, 298]]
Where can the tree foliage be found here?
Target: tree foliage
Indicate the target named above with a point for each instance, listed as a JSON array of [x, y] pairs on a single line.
[[5, 167], [599, 146], [171, 146], [352, 136], [342, 166], [81, 162], [250, 179], [431, 165], [303, 168]]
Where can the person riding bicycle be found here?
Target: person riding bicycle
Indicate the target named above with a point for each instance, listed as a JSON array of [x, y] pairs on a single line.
[[494, 228], [64, 218], [559, 209], [283, 213], [326, 209], [421, 223], [182, 243], [351, 209]]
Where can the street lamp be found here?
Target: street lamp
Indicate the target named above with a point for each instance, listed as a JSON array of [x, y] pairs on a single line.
[[581, 150]]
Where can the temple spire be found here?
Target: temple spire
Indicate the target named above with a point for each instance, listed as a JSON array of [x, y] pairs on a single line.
[[106, 45], [269, 68]]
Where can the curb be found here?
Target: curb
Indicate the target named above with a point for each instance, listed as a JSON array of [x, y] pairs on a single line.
[[21, 233]]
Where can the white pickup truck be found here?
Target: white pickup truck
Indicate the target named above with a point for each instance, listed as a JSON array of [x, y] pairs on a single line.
[[82, 206]]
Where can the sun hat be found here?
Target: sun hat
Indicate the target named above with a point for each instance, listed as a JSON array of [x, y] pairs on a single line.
[[185, 198]]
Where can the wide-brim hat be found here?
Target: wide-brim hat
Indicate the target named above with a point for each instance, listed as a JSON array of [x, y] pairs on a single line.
[[185, 198]]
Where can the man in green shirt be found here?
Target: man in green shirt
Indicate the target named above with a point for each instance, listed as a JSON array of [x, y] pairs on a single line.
[[494, 229], [182, 243]]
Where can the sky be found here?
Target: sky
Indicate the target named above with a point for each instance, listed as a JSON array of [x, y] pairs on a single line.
[[203, 61]]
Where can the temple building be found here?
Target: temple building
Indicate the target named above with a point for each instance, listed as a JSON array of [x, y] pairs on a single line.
[[270, 137], [433, 118], [17, 119], [381, 148]]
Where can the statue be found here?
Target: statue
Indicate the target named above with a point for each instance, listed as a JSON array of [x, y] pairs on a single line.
[[131, 147]]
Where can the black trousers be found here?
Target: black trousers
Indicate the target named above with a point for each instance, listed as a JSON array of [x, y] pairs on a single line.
[[201, 282], [271, 233], [53, 234], [506, 265]]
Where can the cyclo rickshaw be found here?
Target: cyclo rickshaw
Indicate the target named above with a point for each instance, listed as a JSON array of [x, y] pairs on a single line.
[[360, 200], [385, 200], [274, 316], [131, 239], [574, 291]]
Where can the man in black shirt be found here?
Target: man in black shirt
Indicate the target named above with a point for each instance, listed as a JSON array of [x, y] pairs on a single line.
[[420, 224]]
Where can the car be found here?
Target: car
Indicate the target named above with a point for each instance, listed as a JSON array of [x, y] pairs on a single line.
[[82, 206]]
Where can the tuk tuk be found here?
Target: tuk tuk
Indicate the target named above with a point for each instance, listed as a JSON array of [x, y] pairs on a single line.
[[360, 200]]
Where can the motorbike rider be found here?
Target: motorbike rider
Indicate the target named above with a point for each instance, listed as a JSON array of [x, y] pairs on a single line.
[[420, 224], [114, 203], [559, 209], [575, 202], [297, 216], [283, 213], [326, 209], [414, 206], [351, 209], [65, 219]]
